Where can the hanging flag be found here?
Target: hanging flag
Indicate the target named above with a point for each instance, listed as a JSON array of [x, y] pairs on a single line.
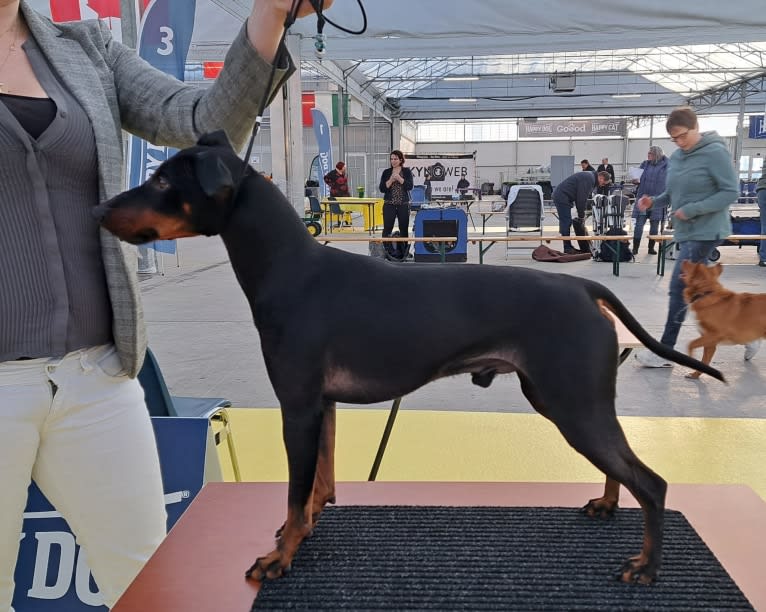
[[322, 133], [75, 10], [164, 38], [757, 127]]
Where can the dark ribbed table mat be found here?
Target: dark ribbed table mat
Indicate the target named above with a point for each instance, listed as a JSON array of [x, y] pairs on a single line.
[[486, 558]]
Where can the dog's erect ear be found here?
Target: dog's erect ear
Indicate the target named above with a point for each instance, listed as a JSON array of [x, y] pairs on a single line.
[[214, 139], [717, 269], [212, 173]]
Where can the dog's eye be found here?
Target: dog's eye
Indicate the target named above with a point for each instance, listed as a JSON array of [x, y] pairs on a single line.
[[161, 182]]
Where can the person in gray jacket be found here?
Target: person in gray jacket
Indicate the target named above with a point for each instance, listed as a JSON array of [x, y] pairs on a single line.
[[701, 185], [72, 336], [760, 191], [655, 169]]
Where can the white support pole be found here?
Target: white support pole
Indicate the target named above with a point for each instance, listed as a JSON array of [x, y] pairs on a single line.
[[296, 173]]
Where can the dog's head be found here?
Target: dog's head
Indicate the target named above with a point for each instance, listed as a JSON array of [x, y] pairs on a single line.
[[700, 279], [189, 194]]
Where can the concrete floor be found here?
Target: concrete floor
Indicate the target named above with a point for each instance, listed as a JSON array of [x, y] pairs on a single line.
[[201, 331]]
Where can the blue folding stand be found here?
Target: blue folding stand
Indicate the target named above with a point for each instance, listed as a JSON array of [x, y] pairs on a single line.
[[51, 573], [440, 222]]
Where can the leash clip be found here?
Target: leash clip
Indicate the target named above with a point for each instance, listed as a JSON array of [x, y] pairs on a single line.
[[319, 44]]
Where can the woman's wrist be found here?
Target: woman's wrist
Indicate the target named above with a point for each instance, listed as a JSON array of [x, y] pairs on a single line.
[[264, 29]]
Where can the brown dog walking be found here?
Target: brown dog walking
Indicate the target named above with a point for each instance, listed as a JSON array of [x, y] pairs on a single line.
[[723, 316]]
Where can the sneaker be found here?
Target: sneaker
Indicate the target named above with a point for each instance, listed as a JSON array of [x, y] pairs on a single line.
[[649, 360], [762, 263], [651, 251], [751, 349]]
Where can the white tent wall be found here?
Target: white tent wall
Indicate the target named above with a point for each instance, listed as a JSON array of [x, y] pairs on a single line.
[[511, 160]]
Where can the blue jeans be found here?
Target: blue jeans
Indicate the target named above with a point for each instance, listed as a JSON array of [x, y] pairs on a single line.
[[693, 250], [564, 211], [638, 228], [762, 207]]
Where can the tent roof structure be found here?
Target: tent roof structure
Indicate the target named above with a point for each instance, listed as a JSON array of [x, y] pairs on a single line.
[[549, 58], [650, 56]]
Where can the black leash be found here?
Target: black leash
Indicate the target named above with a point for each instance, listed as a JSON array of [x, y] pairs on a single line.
[[319, 45]]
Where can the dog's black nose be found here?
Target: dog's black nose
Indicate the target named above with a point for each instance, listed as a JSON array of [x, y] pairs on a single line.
[[99, 212]]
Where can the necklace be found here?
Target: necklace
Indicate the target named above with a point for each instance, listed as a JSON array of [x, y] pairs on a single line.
[[11, 49]]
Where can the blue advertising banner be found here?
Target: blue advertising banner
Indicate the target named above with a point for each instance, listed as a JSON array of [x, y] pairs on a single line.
[[163, 41], [52, 573], [322, 133], [757, 128]]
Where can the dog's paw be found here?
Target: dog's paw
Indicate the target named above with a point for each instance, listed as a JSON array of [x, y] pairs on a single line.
[[272, 566], [637, 570], [600, 507], [693, 375]]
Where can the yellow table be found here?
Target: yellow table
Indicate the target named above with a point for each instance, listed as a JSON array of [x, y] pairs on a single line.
[[371, 209]]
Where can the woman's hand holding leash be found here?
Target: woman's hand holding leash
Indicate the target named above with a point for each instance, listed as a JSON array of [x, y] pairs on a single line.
[[267, 20]]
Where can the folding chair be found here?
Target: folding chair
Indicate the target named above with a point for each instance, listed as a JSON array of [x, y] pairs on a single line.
[[338, 215], [161, 403], [417, 197], [524, 214]]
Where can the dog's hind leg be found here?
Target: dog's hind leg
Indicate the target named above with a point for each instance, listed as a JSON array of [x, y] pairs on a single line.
[[601, 440], [708, 350], [604, 506], [301, 428], [601, 507]]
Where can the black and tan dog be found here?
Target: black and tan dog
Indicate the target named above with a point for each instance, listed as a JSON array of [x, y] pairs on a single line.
[[482, 320]]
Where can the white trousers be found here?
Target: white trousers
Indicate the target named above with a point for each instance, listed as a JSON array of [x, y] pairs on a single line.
[[79, 427]]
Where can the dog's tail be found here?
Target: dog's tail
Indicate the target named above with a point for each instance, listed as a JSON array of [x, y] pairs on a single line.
[[599, 292]]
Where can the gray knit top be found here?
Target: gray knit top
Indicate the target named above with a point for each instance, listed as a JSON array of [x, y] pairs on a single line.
[[53, 293]]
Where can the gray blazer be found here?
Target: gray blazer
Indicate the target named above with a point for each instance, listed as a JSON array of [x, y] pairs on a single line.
[[118, 90]]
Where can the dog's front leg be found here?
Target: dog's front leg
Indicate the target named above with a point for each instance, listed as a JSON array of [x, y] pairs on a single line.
[[604, 507], [324, 482], [301, 433]]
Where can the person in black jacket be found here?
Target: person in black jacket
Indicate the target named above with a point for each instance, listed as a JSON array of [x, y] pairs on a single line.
[[337, 180], [396, 184], [585, 165], [575, 191], [605, 166]]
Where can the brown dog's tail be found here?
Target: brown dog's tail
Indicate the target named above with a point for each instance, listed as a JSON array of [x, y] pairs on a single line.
[[599, 292]]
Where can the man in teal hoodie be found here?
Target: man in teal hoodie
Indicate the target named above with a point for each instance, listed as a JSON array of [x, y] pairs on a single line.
[[701, 185]]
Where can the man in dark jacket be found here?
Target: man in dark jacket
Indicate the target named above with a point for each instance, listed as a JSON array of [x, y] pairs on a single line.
[[605, 166], [575, 191]]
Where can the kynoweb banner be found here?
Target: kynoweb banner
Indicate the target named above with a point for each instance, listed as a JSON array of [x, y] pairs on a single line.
[[445, 171], [164, 38]]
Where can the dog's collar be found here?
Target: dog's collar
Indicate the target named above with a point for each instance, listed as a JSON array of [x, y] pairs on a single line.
[[699, 296]]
